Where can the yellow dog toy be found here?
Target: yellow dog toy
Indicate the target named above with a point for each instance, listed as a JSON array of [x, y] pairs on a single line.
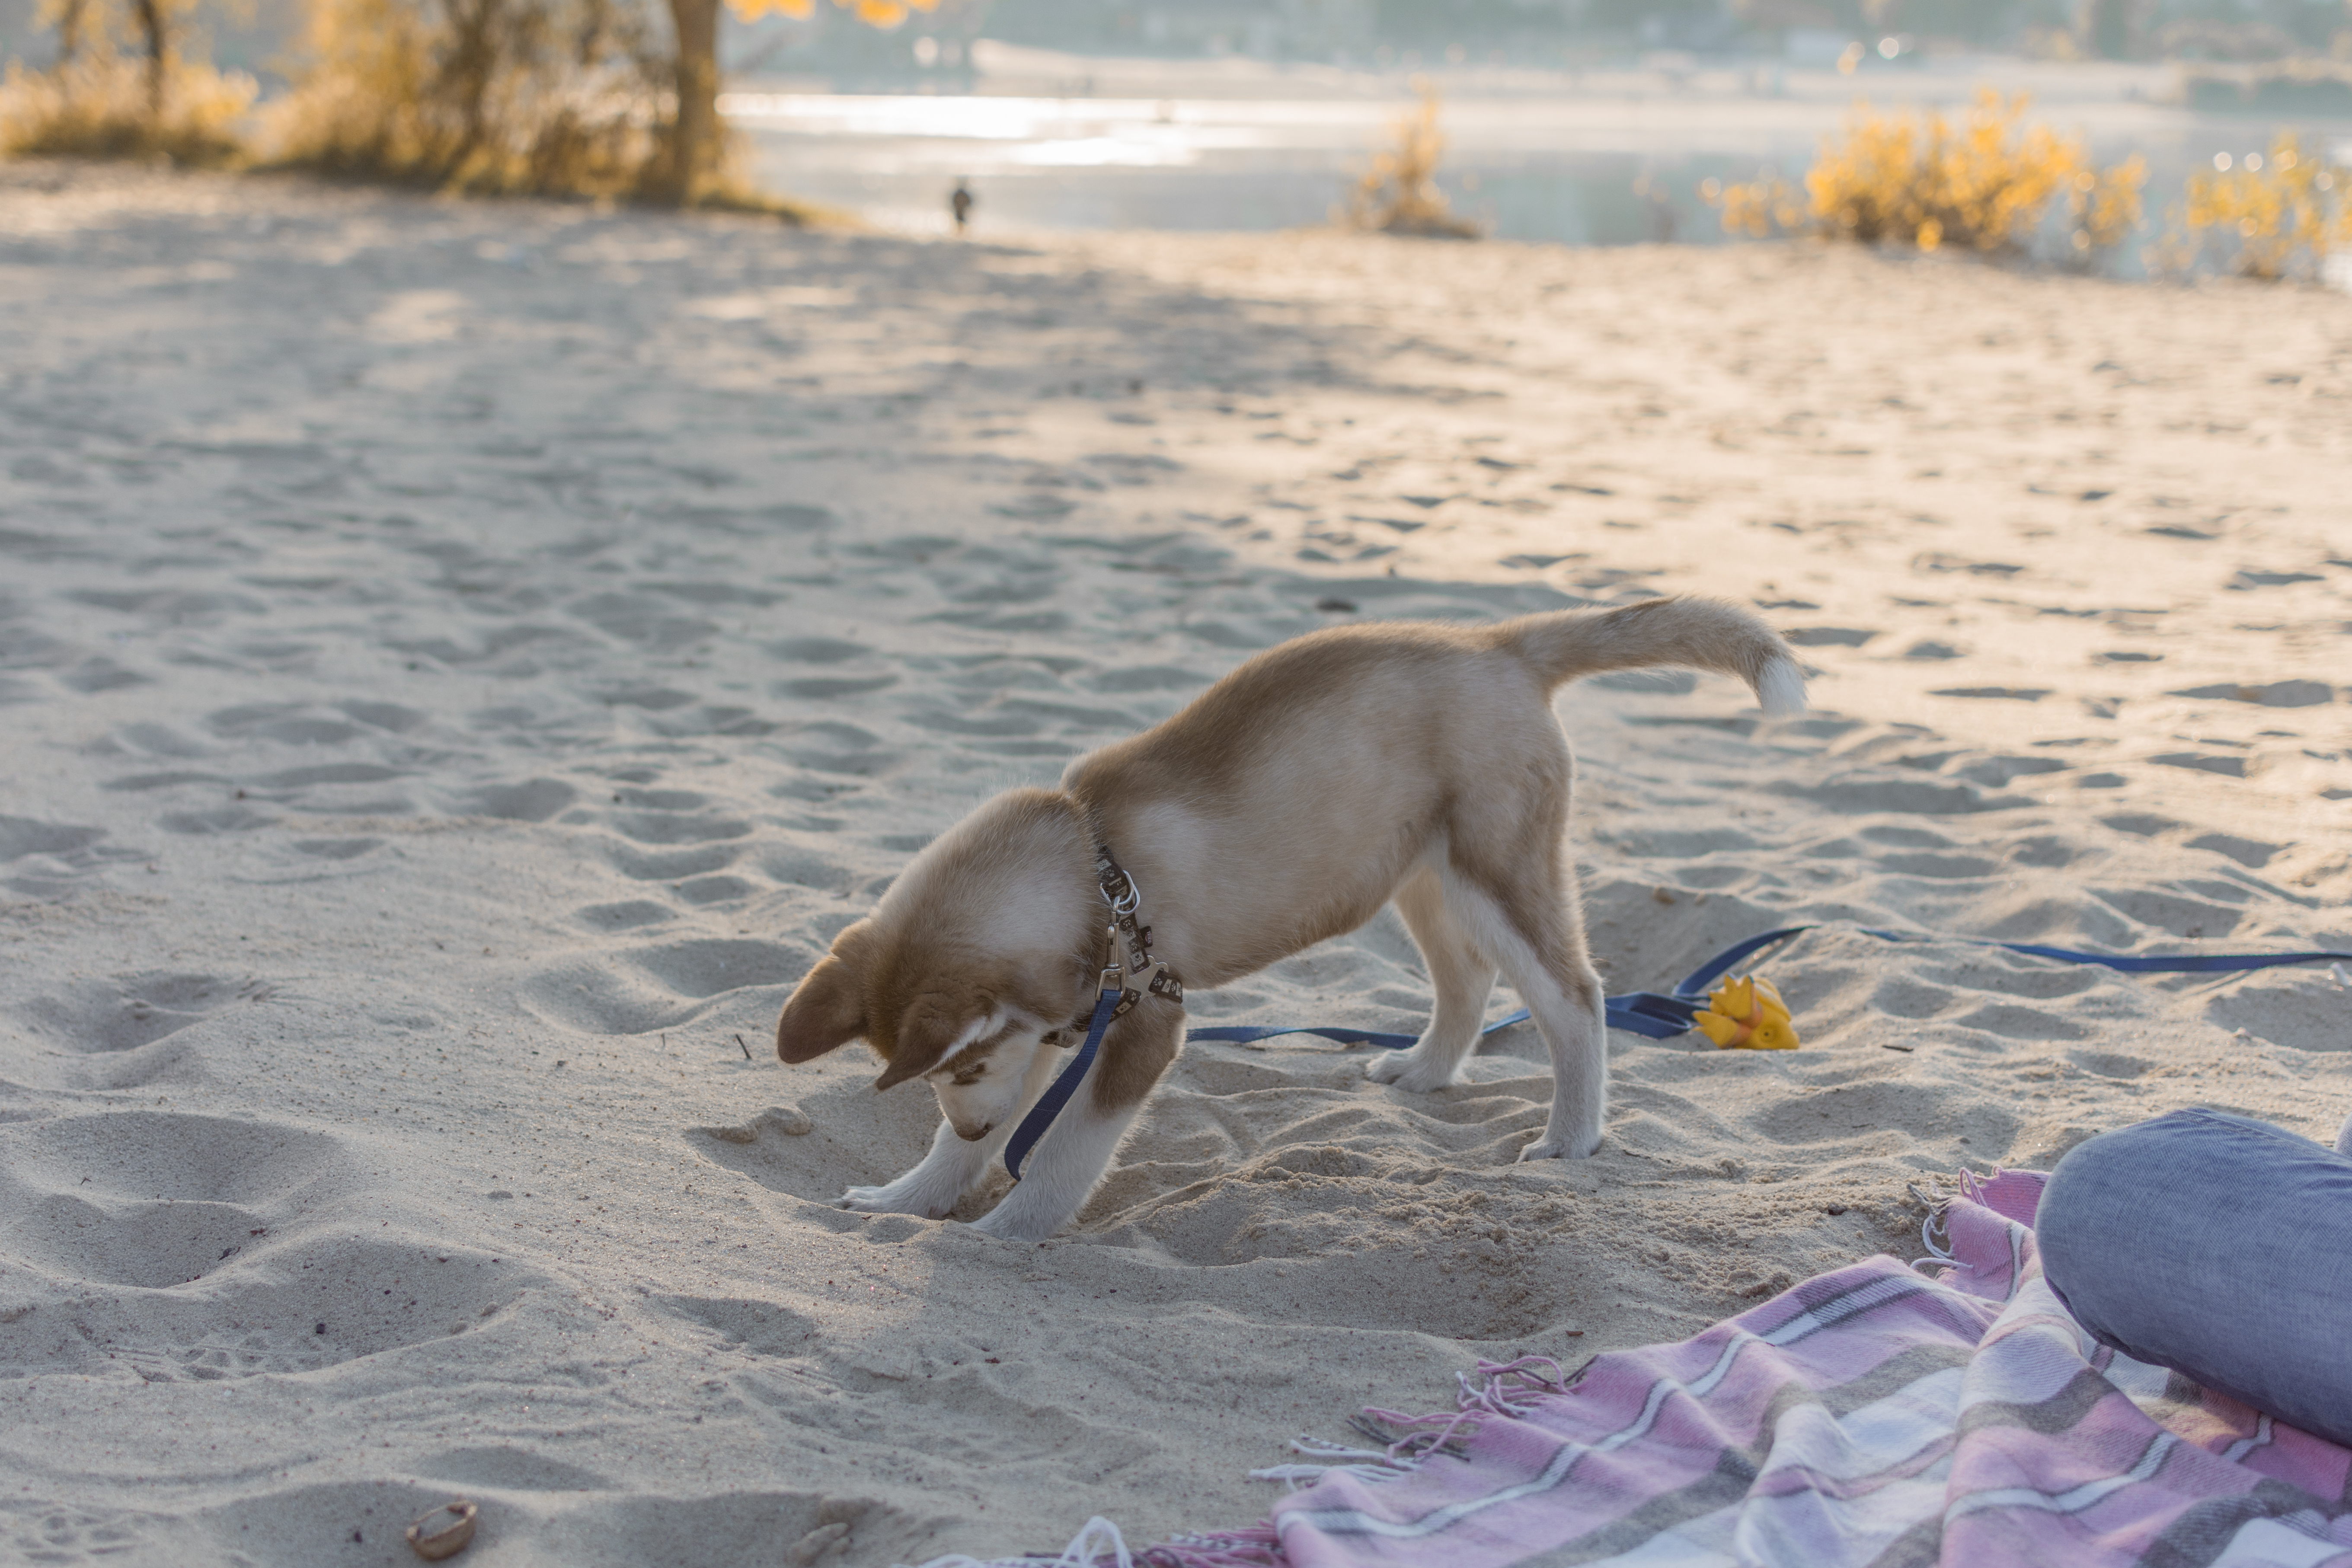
[[1747, 1015]]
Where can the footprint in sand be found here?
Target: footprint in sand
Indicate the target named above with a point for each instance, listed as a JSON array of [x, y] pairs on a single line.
[[2228, 767], [816, 650], [524, 800], [2171, 913], [1995, 693], [2248, 852], [2277, 694], [1928, 1114], [720, 889], [627, 915], [290, 724], [666, 986], [834, 748], [289, 780], [709, 966], [829, 687], [669, 865], [335, 848], [151, 1199], [2249, 579], [795, 867], [1997, 772], [101, 674], [647, 620], [125, 1012], [664, 827], [22, 837], [214, 819], [66, 1535]]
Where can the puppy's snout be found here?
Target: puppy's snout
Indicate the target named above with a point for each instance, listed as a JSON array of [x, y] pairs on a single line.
[[974, 1135]]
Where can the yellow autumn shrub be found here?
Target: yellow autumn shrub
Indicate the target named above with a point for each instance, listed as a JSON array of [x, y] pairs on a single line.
[[101, 103], [504, 97], [558, 98], [1985, 184], [2272, 215], [1398, 194]]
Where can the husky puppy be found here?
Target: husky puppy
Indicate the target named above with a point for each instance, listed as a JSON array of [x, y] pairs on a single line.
[[1318, 781]]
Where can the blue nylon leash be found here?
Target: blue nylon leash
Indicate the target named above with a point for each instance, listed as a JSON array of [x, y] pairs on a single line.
[[1649, 1013], [1662, 1016], [1049, 1104]]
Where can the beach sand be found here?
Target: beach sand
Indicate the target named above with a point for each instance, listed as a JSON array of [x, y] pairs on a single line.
[[463, 662]]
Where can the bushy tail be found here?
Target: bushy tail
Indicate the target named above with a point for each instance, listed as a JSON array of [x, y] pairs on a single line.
[[1693, 633]]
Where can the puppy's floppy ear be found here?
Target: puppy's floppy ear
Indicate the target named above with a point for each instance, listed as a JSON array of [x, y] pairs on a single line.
[[925, 1037], [825, 1011]]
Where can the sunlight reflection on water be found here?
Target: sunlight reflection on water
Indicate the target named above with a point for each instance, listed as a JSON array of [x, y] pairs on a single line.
[[1571, 167]]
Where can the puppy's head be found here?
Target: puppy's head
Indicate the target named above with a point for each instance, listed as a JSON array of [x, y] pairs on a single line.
[[985, 943]]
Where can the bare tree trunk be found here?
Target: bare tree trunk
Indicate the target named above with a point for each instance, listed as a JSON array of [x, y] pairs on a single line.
[[471, 62], [156, 22], [72, 16], [694, 135]]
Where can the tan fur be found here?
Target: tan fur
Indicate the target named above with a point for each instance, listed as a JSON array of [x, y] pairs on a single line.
[[1285, 805], [909, 977]]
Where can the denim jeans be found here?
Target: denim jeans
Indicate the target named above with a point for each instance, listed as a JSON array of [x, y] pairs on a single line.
[[2217, 1247]]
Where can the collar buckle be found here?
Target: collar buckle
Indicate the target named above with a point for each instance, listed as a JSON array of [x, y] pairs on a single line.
[[1136, 970]]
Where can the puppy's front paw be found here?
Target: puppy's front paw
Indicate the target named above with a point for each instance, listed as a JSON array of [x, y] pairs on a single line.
[[1549, 1148], [1408, 1073], [894, 1199], [1006, 1228]]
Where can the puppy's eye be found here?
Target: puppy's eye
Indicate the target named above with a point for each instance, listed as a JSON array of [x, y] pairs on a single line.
[[971, 1075]]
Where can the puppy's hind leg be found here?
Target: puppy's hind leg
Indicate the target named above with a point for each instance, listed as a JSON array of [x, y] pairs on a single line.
[[1533, 927], [1461, 977]]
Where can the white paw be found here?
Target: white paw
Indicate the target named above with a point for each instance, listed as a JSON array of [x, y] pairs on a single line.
[[1408, 1073], [997, 1222], [1549, 1148], [894, 1199]]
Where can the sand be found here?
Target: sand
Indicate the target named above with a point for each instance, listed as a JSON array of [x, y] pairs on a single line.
[[463, 662]]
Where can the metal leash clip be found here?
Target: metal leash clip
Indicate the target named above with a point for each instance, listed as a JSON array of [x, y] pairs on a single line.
[[1123, 904]]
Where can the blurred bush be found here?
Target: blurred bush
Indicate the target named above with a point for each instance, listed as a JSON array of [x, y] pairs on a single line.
[[2273, 217], [96, 102], [1399, 194], [1985, 184], [507, 97], [560, 97]]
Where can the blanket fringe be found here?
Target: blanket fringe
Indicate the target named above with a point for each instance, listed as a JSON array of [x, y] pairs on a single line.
[[1499, 1382], [1257, 1547], [1932, 1234], [1492, 1388], [1097, 1543]]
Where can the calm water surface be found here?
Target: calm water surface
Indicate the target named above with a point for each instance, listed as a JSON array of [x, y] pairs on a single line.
[[1609, 162]]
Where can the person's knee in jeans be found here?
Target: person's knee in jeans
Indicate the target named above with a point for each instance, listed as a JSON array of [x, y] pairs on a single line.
[[2216, 1246]]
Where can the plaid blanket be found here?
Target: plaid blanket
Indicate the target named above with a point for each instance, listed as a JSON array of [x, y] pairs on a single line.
[[1873, 1416]]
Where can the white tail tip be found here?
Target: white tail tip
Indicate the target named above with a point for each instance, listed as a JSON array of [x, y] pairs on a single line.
[[1781, 687]]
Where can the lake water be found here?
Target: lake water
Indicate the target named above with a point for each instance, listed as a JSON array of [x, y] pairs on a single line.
[[1587, 158]]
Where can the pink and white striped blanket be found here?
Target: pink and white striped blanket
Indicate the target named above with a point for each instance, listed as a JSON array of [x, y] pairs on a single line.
[[1870, 1416]]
